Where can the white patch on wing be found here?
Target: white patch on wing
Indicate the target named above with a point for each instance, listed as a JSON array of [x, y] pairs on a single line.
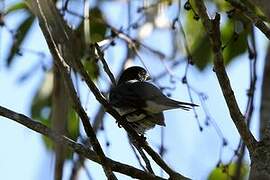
[[133, 117], [124, 111], [133, 81], [153, 107]]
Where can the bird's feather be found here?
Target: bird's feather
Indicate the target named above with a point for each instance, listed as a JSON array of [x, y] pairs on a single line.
[[146, 96]]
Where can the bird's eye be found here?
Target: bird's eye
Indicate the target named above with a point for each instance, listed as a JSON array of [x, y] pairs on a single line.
[[141, 77]]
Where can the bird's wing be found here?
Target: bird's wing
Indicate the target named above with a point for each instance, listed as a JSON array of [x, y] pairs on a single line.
[[155, 100], [146, 96], [157, 119], [125, 96]]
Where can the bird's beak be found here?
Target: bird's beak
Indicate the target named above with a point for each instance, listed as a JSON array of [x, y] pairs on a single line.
[[147, 78]]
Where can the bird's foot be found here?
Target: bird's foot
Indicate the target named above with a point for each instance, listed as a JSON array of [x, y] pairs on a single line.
[[143, 137]]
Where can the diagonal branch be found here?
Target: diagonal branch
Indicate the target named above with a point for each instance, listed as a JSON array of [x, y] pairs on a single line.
[[60, 49], [258, 22], [105, 65], [76, 147], [212, 27]]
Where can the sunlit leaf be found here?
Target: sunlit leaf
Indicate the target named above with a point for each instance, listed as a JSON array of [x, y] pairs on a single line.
[[98, 27], [73, 124], [226, 172], [222, 5], [236, 43], [91, 67], [234, 35], [15, 7]]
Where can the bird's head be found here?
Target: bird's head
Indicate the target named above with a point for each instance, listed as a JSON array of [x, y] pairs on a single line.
[[134, 73]]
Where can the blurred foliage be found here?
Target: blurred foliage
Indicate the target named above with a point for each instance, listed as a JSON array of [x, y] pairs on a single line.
[[42, 108], [226, 172], [98, 27], [91, 67], [72, 129], [234, 34], [15, 7], [22, 30], [221, 5]]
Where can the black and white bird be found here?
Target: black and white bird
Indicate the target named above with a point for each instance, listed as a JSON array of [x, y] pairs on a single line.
[[140, 102]]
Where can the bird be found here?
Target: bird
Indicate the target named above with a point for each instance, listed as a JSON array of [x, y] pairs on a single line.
[[141, 102]]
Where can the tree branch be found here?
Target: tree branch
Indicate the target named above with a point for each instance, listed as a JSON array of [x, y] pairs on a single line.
[[76, 147], [212, 27], [105, 65], [258, 22], [265, 101], [61, 47], [263, 5]]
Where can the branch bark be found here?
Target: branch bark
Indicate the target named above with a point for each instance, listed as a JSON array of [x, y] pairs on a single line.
[[212, 27], [59, 39], [265, 101], [59, 120], [76, 147]]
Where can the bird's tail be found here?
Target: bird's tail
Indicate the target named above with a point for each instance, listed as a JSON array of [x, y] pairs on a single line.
[[183, 105]]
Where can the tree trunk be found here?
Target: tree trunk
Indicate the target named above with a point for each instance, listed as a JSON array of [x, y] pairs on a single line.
[[59, 120], [260, 159]]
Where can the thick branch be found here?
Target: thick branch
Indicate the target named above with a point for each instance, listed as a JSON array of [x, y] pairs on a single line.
[[212, 28], [59, 118], [265, 101], [76, 147]]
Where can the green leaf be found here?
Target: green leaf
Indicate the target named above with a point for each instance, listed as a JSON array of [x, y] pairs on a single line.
[[15, 7], [73, 132], [41, 111], [222, 5], [73, 124], [201, 52], [91, 67], [22, 32], [226, 172], [198, 42], [236, 44], [98, 26], [41, 108]]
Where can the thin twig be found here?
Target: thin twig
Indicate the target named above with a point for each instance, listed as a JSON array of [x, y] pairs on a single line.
[[257, 21], [105, 65]]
